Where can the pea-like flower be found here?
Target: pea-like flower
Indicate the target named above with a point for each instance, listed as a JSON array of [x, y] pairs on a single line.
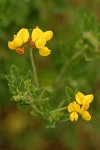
[[84, 100], [73, 109], [39, 38], [84, 113], [19, 40]]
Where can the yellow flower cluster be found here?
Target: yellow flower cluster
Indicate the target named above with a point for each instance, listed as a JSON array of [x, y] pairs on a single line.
[[19, 40], [80, 106], [37, 39]]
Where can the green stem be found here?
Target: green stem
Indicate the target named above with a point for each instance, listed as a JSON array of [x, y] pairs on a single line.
[[34, 69], [36, 109], [60, 109]]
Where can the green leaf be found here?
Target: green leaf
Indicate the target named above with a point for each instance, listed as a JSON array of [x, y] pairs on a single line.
[[44, 107], [22, 105], [12, 89], [55, 116], [58, 115], [9, 78], [21, 85], [29, 75], [64, 118], [41, 91], [75, 91], [14, 82], [69, 92], [14, 71], [42, 101]]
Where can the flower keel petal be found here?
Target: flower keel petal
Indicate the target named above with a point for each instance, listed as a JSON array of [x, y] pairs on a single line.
[[86, 116], [44, 51]]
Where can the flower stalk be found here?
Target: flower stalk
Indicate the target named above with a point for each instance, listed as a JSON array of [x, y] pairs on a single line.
[[60, 109], [34, 69]]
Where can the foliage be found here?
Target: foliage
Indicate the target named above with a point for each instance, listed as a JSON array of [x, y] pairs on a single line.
[[26, 94]]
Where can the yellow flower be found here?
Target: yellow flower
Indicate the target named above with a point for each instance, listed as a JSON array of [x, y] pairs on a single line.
[[23, 34], [36, 34], [40, 43], [86, 116], [73, 108], [39, 38], [83, 99], [19, 39], [84, 113]]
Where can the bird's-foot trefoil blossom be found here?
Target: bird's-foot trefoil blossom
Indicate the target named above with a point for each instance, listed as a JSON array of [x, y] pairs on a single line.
[[80, 106], [18, 43], [84, 113], [39, 38], [84, 101], [73, 109]]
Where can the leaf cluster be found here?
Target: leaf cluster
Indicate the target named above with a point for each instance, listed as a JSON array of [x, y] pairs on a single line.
[[89, 40], [26, 95]]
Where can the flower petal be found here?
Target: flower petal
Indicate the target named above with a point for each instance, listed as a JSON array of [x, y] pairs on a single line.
[[40, 43], [23, 34], [73, 116], [48, 35], [12, 45], [76, 107], [70, 107], [18, 42], [36, 34], [87, 99], [86, 116], [84, 108], [79, 97], [44, 51], [73, 107]]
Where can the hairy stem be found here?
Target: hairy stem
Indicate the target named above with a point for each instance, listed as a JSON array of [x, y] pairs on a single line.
[[60, 109], [34, 69]]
